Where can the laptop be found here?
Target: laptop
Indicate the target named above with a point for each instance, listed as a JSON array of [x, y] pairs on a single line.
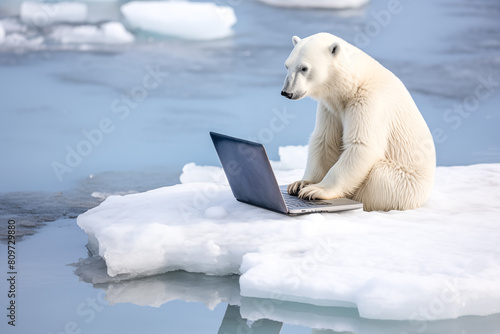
[[252, 180]]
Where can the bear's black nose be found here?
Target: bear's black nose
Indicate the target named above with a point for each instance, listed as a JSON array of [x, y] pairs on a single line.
[[287, 95]]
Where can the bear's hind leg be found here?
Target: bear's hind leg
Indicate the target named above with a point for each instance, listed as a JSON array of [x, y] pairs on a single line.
[[390, 186]]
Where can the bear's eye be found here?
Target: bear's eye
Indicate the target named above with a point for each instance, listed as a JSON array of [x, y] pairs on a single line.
[[304, 69]]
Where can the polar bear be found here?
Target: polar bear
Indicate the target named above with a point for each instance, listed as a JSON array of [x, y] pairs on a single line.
[[370, 142]]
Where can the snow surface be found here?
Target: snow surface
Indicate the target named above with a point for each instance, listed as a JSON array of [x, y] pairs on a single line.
[[333, 4], [107, 33], [42, 14], [436, 262], [188, 20]]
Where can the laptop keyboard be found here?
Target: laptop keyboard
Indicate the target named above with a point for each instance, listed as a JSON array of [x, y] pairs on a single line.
[[293, 202]]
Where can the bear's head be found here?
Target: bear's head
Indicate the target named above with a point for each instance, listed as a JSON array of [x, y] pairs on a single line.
[[311, 65]]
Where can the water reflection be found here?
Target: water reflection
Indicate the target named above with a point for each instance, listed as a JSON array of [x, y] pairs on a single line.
[[234, 323], [160, 289], [341, 320], [256, 315]]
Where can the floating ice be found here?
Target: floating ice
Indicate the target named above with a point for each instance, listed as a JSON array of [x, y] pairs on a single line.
[[16, 35], [104, 195], [107, 33], [11, 25], [436, 262], [188, 20], [42, 14], [334, 4], [21, 36], [19, 41]]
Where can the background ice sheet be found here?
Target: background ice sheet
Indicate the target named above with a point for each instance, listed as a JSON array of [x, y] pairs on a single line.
[[184, 19]]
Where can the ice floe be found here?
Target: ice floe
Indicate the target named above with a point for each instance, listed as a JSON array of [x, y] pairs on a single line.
[[19, 42], [107, 33], [183, 19], [437, 262], [19, 37]]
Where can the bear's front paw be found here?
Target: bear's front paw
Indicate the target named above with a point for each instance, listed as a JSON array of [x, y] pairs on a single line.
[[315, 192], [295, 187]]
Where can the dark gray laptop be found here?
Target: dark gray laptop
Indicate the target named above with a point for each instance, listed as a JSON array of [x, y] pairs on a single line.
[[252, 180]]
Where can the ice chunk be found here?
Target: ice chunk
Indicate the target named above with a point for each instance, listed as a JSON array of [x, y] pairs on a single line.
[[19, 41], [193, 173], [46, 13], [188, 20], [20, 36], [103, 195], [11, 25], [291, 157], [107, 33], [436, 262], [334, 4], [17, 36]]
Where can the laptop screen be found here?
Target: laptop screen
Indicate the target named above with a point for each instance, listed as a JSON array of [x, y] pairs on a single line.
[[249, 172]]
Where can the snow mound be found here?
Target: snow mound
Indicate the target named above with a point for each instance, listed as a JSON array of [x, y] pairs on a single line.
[[333, 4], [188, 20], [107, 33], [192, 173], [291, 157], [436, 262], [42, 14]]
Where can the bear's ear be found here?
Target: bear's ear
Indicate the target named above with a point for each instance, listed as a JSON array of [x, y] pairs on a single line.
[[334, 48], [295, 40]]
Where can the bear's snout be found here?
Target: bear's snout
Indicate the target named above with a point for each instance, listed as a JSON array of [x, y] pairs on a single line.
[[286, 94]]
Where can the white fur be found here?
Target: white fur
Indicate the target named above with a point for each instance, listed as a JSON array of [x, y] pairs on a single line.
[[370, 142]]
